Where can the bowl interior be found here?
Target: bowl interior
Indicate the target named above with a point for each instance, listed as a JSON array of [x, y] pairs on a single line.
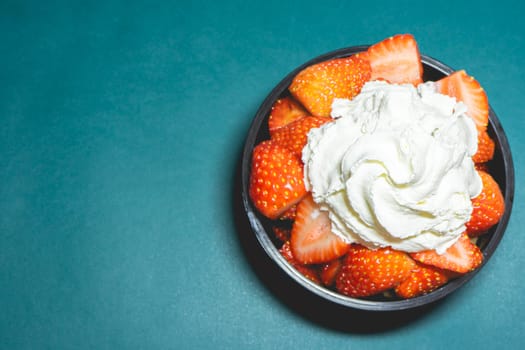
[[501, 168]]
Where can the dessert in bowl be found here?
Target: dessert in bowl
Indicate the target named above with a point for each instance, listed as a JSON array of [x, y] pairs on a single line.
[[377, 177]]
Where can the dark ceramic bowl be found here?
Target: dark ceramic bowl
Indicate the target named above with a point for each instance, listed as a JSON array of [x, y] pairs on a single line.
[[501, 168]]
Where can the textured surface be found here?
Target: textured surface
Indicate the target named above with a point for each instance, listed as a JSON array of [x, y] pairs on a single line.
[[122, 124]]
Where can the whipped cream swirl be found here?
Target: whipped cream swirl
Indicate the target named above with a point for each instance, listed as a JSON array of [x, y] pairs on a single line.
[[394, 168]]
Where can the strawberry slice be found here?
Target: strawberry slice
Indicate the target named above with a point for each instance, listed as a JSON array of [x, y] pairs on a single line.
[[486, 147], [366, 272], [489, 206], [329, 272], [463, 256], [396, 60], [316, 86], [295, 135], [312, 240], [309, 272], [276, 181], [424, 279], [284, 111], [468, 90]]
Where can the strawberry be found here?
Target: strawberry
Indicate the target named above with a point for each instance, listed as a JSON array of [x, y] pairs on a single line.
[[396, 60], [468, 90], [486, 147], [276, 181], [317, 85], [367, 272], [488, 207], [463, 256], [284, 111], [295, 135], [329, 272], [309, 272], [312, 240], [424, 279]]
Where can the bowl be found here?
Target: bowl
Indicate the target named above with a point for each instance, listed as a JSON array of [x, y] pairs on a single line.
[[501, 168]]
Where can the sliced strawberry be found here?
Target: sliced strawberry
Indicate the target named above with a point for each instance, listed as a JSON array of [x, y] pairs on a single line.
[[281, 233], [316, 86], [295, 135], [309, 272], [367, 272], [284, 111], [486, 147], [276, 181], [488, 207], [329, 272], [424, 279], [396, 60], [312, 240], [463, 256], [467, 89]]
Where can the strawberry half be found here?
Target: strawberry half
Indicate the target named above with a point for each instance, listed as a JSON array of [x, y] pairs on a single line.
[[367, 272], [424, 279], [284, 111], [468, 90], [295, 135], [312, 240], [396, 60], [463, 256], [276, 180], [309, 272], [486, 147], [488, 207], [317, 85]]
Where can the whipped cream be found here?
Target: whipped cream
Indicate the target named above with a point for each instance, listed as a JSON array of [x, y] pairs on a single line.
[[394, 168]]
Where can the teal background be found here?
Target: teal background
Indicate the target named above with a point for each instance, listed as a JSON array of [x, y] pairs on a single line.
[[122, 124]]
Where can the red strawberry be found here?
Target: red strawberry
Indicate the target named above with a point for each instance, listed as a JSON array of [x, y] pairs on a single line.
[[463, 256], [396, 60], [295, 135], [309, 272], [276, 181], [312, 240], [467, 89], [329, 272], [284, 111], [424, 279], [488, 206], [486, 147], [281, 233], [316, 86], [367, 272]]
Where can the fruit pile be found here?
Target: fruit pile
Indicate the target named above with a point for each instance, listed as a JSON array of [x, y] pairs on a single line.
[[278, 192]]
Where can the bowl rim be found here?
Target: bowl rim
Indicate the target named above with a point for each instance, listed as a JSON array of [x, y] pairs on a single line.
[[271, 250]]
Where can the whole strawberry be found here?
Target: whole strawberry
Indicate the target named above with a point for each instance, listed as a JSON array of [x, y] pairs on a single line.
[[489, 206], [295, 135], [423, 280], [366, 272], [276, 180]]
